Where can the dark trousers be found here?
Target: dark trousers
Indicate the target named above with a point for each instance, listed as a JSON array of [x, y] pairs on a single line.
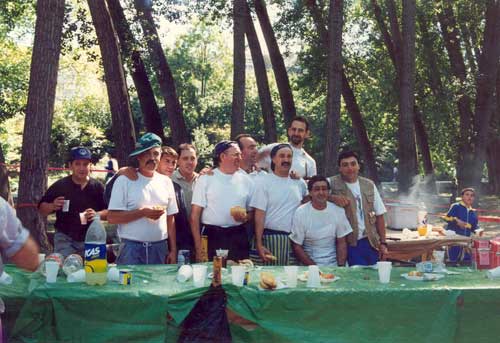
[[233, 238]]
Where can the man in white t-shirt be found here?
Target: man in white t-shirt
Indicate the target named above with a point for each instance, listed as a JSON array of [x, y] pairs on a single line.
[[320, 228], [249, 154], [144, 209], [303, 165], [220, 205], [275, 200], [365, 211]]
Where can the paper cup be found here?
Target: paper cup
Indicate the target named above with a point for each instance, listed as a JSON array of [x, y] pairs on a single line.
[[291, 276], [313, 280], [51, 268], [384, 271], [78, 276], [113, 274], [493, 273], [185, 272], [83, 218], [65, 207], [199, 275], [238, 275]]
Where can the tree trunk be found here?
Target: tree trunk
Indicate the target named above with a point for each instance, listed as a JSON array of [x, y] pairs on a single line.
[[239, 64], [423, 145], [485, 88], [164, 75], [406, 130], [4, 179], [266, 102], [39, 114], [350, 101], [121, 114], [396, 34], [280, 72], [334, 63], [132, 57]]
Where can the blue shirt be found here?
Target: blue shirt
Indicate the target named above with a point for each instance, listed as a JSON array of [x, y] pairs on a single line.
[[464, 213]]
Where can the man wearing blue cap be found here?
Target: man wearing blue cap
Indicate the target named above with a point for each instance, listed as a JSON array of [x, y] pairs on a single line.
[[144, 209], [70, 196], [220, 203]]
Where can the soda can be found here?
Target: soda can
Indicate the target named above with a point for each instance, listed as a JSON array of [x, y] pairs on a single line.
[[246, 279], [183, 257], [125, 276]]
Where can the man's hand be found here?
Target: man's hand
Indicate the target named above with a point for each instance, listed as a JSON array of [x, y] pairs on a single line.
[[263, 251], [152, 213], [382, 252], [461, 223], [58, 203], [198, 255], [207, 171], [294, 175], [172, 257], [339, 200], [129, 172], [90, 214]]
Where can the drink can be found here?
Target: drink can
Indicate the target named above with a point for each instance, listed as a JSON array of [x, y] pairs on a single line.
[[183, 257], [204, 248], [246, 279], [125, 276]]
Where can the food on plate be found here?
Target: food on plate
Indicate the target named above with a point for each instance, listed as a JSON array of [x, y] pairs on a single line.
[[246, 262], [267, 280], [415, 273], [159, 207], [238, 211], [271, 257], [328, 276]]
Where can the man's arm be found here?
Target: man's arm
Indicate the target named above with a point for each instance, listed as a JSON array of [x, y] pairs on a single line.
[[195, 229], [260, 216], [341, 251], [380, 225], [301, 254], [124, 217], [172, 240], [27, 256], [46, 208]]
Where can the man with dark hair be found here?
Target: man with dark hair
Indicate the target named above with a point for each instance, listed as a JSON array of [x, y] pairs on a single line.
[[275, 200], [70, 196], [303, 165], [220, 204], [249, 153], [185, 175], [320, 228], [365, 211]]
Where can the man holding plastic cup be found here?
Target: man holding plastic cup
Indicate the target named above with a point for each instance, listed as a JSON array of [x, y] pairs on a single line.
[[320, 228], [144, 209], [75, 199]]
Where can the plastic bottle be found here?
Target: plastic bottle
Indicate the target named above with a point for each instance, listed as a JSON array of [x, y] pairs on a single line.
[[96, 264]]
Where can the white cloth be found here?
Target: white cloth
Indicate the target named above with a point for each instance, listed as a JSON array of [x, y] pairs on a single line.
[[128, 195], [279, 197], [302, 163], [317, 230], [378, 205], [218, 193], [12, 233]]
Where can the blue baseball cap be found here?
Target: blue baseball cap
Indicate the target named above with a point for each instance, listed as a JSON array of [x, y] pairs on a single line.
[[80, 153]]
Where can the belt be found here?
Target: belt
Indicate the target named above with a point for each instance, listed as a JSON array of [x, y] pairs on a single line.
[[275, 232]]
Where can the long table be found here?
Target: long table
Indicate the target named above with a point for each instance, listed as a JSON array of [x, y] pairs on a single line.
[[356, 308]]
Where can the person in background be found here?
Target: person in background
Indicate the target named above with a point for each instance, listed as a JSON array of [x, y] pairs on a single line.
[[111, 166], [319, 228], [462, 219], [84, 194], [185, 175]]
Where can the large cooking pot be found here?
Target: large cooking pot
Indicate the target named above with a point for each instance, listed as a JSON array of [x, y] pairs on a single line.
[[402, 215]]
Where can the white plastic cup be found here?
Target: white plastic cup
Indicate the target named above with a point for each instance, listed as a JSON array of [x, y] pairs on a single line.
[[384, 271], [238, 275], [41, 258], [199, 275], [52, 268], [83, 218], [113, 274], [65, 207], [313, 280], [185, 273], [78, 276], [291, 276]]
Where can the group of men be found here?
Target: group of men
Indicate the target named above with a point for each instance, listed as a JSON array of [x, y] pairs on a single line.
[[268, 204]]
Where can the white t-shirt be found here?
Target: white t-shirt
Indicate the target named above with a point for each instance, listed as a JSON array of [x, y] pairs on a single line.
[[317, 230], [12, 233], [302, 163], [279, 197], [219, 192], [128, 195], [378, 205]]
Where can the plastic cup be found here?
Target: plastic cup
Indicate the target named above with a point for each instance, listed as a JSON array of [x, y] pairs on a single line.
[[65, 207], [51, 268], [113, 274], [291, 276], [78, 276], [83, 218], [238, 275], [199, 275], [384, 271], [422, 230], [185, 272], [72, 263], [41, 258], [313, 280]]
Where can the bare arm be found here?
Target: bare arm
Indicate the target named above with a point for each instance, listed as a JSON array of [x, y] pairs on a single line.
[[47, 208], [172, 240], [301, 254], [195, 229], [124, 217], [259, 232], [341, 250], [380, 225], [27, 256]]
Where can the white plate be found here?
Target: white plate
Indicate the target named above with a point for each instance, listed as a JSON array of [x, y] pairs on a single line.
[[303, 277], [211, 274], [425, 276]]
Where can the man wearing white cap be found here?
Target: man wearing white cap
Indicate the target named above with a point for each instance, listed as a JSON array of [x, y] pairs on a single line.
[[144, 209]]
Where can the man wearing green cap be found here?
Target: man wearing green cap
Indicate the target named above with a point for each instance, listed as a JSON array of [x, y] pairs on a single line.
[[144, 209]]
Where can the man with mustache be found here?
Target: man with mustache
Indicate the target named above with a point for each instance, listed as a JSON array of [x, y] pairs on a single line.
[[275, 200], [220, 204], [144, 209], [303, 165]]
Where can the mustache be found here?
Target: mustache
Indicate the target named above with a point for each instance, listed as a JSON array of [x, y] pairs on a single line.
[[151, 161], [286, 164]]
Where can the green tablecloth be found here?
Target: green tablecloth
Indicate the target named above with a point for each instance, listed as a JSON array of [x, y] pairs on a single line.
[[357, 308]]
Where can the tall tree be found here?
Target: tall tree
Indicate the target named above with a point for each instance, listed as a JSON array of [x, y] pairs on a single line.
[[164, 74], [334, 65], [121, 114], [4, 179], [239, 63], [280, 72], [349, 99], [39, 114], [406, 129], [132, 58], [266, 102]]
